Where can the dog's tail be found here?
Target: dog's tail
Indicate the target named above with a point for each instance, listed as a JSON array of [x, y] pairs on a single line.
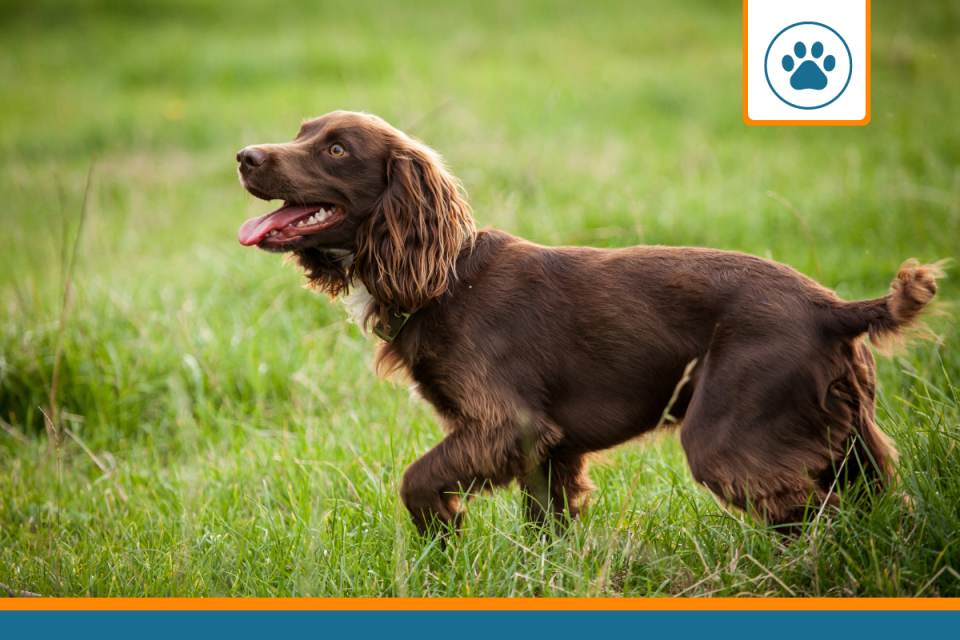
[[884, 318]]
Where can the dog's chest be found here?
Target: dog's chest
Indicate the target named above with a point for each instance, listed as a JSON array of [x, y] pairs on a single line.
[[358, 303]]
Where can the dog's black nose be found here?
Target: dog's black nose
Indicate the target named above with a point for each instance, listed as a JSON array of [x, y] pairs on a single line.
[[251, 157]]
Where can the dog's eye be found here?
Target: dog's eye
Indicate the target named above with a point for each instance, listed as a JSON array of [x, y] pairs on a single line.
[[337, 150]]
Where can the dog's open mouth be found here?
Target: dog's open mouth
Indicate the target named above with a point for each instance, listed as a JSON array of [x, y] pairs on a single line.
[[288, 225]]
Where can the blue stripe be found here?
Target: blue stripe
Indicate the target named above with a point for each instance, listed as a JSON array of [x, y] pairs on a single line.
[[485, 625]]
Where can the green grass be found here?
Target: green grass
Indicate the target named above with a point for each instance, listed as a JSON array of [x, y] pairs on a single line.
[[219, 429]]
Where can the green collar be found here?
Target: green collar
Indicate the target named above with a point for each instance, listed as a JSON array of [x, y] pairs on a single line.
[[389, 332]]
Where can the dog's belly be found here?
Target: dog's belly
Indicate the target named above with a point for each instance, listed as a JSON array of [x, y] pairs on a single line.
[[598, 418]]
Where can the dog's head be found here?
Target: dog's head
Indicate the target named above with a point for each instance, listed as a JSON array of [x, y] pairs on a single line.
[[362, 200]]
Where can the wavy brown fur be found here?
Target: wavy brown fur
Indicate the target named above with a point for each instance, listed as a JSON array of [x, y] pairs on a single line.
[[534, 357], [887, 320], [407, 249]]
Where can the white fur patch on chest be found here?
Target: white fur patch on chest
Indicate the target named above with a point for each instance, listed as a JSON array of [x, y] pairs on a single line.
[[357, 303]]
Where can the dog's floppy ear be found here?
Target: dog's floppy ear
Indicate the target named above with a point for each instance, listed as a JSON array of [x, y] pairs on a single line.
[[408, 248]]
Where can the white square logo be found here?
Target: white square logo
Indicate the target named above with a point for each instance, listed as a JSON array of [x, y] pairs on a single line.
[[806, 62]]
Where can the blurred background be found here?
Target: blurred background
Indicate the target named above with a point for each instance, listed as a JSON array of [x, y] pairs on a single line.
[[213, 428]]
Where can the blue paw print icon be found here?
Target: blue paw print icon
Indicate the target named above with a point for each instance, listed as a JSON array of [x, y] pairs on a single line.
[[808, 65], [808, 75]]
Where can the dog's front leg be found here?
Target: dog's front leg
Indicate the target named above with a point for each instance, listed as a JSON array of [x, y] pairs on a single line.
[[465, 461]]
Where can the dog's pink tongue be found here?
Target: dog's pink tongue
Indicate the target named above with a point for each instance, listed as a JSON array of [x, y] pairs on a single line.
[[255, 230]]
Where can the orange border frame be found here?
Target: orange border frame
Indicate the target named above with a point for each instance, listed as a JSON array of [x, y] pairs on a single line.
[[802, 123], [479, 604]]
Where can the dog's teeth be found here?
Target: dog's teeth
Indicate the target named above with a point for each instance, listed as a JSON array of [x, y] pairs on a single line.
[[316, 218]]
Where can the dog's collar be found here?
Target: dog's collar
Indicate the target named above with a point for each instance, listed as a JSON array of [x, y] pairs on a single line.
[[389, 331]]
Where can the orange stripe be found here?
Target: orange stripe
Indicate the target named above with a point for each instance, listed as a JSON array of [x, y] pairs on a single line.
[[480, 604]]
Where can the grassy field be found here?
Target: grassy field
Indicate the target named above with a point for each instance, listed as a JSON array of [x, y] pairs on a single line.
[[215, 429]]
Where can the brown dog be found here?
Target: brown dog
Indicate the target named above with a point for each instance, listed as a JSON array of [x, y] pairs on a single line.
[[536, 356]]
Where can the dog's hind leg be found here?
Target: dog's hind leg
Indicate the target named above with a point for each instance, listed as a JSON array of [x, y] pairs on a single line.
[[869, 453], [756, 434]]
